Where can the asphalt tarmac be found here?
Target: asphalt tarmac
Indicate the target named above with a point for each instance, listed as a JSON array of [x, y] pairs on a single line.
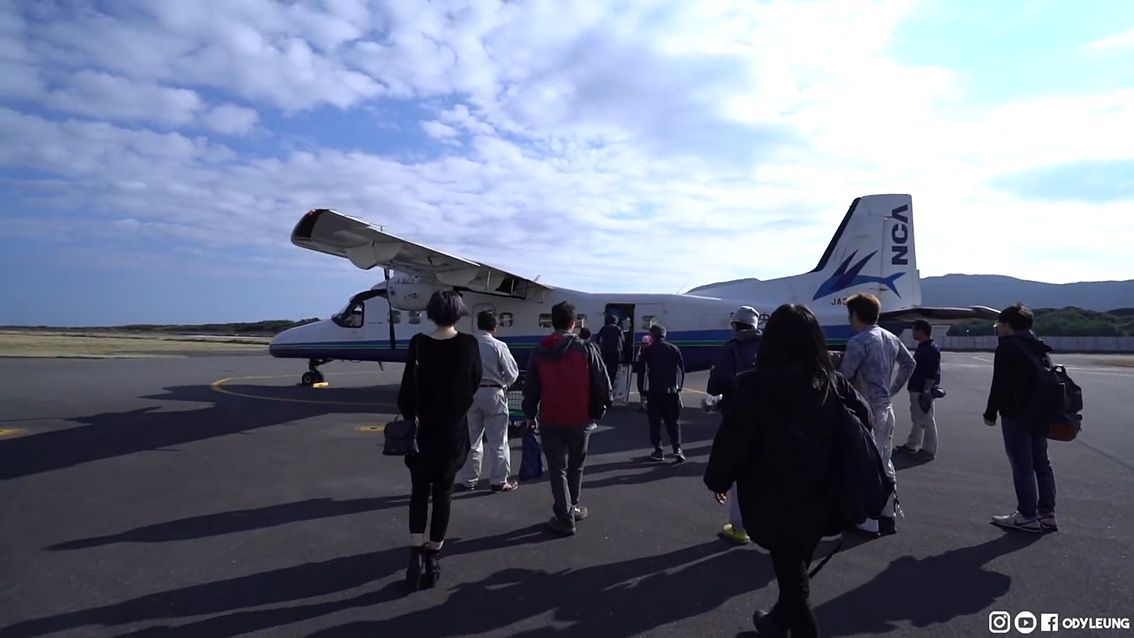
[[211, 496]]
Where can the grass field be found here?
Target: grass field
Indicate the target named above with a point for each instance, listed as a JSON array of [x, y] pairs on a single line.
[[14, 343], [1121, 363]]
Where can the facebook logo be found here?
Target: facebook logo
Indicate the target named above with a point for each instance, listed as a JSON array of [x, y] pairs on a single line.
[[1049, 622]]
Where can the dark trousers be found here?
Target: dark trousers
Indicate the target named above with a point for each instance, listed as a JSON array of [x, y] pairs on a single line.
[[793, 609], [565, 449], [664, 407], [1031, 470], [430, 480], [611, 361]]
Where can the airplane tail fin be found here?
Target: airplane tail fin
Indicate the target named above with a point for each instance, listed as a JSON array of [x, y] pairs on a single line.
[[872, 251]]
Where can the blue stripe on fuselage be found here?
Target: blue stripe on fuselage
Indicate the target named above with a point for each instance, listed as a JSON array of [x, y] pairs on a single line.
[[698, 347]]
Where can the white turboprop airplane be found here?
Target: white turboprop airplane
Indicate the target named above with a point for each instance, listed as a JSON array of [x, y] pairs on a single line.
[[872, 251]]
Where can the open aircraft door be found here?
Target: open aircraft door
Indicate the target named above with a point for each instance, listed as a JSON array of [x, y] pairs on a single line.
[[620, 378], [635, 321], [647, 315]]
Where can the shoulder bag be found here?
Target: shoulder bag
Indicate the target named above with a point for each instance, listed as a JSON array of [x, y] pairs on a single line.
[[401, 435]]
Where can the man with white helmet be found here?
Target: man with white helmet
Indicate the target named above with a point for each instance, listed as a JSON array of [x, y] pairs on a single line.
[[738, 355]]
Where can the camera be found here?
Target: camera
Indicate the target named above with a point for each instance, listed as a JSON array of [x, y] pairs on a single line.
[[711, 403]]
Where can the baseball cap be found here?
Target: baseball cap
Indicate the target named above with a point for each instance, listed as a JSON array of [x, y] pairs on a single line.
[[746, 315]]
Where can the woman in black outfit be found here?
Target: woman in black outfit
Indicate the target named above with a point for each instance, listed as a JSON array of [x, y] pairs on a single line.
[[778, 446], [442, 373]]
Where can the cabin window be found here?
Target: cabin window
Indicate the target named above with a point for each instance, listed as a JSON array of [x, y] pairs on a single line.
[[545, 320], [648, 320], [581, 321], [505, 319], [415, 317], [395, 316]]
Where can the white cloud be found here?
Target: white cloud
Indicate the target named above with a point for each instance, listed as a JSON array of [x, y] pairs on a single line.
[[685, 142], [230, 119], [112, 97], [1117, 41], [439, 131]]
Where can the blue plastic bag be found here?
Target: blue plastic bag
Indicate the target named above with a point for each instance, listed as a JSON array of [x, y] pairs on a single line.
[[531, 459]]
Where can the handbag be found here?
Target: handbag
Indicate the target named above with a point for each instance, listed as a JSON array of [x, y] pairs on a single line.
[[401, 435], [531, 461]]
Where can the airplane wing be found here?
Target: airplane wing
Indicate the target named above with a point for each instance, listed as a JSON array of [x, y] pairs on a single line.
[[366, 246], [941, 314]]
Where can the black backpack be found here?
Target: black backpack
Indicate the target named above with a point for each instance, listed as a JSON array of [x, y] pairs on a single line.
[[1054, 409], [864, 485]]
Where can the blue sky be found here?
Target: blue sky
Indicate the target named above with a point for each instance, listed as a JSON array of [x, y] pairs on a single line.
[[157, 155]]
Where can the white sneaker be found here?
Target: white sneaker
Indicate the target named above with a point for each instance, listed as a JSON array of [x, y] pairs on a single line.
[[1016, 520]]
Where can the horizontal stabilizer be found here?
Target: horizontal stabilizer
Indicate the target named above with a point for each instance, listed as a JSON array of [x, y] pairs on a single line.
[[972, 313]]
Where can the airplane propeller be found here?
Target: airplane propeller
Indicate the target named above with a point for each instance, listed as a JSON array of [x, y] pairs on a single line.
[[390, 313]]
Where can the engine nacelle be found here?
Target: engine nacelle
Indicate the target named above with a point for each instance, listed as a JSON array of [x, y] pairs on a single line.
[[410, 293]]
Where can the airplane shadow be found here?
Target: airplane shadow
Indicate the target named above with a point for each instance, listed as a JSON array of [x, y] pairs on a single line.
[[221, 523], [245, 408], [112, 434], [279, 586]]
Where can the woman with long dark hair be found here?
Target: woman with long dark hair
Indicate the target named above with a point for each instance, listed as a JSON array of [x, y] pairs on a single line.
[[442, 374], [777, 444]]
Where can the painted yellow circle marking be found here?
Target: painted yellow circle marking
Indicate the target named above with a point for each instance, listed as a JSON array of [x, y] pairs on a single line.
[[218, 386], [370, 428], [11, 431]]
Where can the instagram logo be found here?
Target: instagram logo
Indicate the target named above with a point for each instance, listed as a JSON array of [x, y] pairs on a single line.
[[999, 622]]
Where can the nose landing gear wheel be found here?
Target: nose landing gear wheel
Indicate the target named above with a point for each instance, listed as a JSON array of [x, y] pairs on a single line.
[[311, 378], [313, 375]]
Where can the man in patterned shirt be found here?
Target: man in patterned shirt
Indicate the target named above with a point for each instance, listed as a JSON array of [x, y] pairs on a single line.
[[869, 364]]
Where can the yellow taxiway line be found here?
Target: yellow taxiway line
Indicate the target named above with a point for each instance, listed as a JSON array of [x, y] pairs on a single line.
[[218, 385]]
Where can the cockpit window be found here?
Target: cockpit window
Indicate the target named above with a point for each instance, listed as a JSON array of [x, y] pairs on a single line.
[[350, 316]]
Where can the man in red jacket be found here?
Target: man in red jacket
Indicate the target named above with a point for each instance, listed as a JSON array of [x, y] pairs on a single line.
[[568, 387]]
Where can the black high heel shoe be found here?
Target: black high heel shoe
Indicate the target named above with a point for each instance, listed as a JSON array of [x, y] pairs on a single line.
[[416, 569], [432, 568]]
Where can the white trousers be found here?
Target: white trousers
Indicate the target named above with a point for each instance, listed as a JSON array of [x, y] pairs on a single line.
[[734, 509], [884, 439], [488, 419], [923, 432]]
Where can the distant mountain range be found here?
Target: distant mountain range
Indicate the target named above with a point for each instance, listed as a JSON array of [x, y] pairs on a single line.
[[998, 291]]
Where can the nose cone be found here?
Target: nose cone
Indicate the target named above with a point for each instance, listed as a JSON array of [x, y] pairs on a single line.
[[293, 342]]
